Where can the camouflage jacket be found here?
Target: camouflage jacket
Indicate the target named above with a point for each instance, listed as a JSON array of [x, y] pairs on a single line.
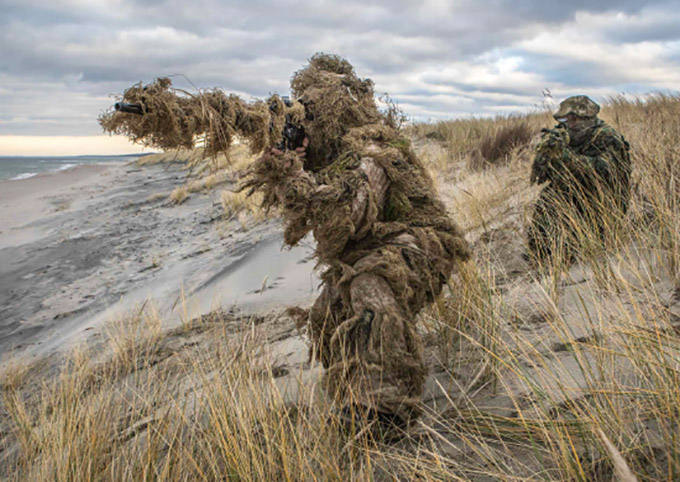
[[599, 164]]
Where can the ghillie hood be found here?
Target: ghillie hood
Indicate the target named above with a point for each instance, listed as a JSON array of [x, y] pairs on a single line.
[[336, 101]]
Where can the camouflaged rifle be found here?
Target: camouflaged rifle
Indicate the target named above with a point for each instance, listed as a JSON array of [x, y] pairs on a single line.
[[549, 153], [129, 108], [292, 134], [158, 115]]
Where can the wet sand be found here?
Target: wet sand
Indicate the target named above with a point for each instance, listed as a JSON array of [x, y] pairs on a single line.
[[84, 246]]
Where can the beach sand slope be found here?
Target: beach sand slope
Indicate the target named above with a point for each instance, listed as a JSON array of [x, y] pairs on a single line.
[[84, 246]]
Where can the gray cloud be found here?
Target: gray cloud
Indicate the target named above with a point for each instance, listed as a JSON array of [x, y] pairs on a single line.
[[438, 58]]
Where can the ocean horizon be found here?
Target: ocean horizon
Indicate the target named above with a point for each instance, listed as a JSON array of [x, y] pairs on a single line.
[[15, 168]]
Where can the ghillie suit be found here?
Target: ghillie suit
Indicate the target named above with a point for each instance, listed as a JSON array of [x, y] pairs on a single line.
[[383, 237], [589, 172]]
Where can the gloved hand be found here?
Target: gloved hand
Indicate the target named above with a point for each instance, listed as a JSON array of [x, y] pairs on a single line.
[[548, 154], [288, 162]]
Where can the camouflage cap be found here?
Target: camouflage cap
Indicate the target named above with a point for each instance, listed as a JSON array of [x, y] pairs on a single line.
[[580, 105]]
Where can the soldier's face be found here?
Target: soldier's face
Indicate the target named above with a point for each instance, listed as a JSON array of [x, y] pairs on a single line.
[[572, 121]]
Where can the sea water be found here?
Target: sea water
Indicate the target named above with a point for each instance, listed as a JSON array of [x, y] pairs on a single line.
[[23, 167]]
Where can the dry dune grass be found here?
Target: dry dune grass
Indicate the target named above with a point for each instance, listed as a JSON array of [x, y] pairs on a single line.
[[555, 373], [204, 172], [481, 142], [242, 207], [179, 195]]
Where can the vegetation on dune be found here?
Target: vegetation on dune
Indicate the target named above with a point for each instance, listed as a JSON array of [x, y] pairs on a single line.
[[479, 143], [208, 173], [553, 373]]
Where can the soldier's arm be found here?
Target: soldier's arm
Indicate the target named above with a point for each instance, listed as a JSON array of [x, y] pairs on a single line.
[[548, 159], [344, 208], [610, 161], [347, 207]]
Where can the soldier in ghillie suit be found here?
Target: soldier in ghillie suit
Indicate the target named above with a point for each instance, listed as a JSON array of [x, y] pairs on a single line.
[[384, 239], [588, 165]]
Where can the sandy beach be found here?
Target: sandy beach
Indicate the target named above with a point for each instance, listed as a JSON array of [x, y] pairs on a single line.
[[82, 247]]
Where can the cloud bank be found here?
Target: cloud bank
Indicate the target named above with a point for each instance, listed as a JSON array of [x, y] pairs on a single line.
[[437, 58]]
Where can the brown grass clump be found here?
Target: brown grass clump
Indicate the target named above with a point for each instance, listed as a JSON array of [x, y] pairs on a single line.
[[179, 195], [504, 139], [498, 147], [201, 402], [189, 157], [242, 207]]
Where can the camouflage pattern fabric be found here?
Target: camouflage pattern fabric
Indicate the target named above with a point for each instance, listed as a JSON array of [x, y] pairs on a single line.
[[579, 105], [589, 186]]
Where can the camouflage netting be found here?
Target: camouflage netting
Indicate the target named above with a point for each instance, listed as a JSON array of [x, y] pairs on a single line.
[[336, 101], [176, 119], [399, 246]]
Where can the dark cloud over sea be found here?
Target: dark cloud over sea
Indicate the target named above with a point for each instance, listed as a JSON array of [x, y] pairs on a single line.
[[62, 59]]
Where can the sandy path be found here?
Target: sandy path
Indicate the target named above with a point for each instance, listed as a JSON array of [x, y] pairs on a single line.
[[84, 246]]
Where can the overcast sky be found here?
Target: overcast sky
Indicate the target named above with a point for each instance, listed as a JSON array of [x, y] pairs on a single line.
[[61, 59]]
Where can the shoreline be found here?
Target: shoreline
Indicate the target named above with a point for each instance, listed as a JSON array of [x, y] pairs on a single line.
[[19, 168], [24, 202], [88, 245], [69, 175], [65, 167]]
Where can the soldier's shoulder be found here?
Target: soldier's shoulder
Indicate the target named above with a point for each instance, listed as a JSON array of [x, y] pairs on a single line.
[[607, 129], [608, 135]]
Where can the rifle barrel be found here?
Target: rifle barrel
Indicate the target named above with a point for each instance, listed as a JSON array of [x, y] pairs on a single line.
[[129, 108]]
